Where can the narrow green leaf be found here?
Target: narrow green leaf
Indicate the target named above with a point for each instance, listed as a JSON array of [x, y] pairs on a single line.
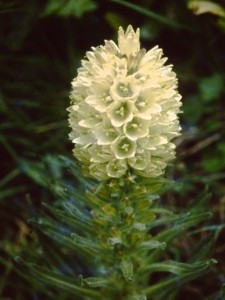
[[93, 282], [179, 227], [60, 281], [163, 211], [9, 192], [207, 245], [85, 243], [200, 202], [74, 241], [174, 282], [175, 230], [94, 200], [9, 148], [9, 177], [165, 220], [174, 267], [215, 228], [75, 221], [152, 244], [152, 15]]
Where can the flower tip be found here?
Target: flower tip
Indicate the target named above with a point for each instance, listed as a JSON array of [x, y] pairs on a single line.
[[129, 31], [128, 41]]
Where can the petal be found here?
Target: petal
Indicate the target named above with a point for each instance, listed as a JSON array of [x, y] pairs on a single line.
[[99, 102], [120, 113], [140, 160], [122, 147], [125, 88], [98, 171], [116, 168], [136, 128], [99, 154], [146, 104], [105, 133]]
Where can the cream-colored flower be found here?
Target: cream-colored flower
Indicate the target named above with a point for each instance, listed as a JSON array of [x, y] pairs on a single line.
[[124, 107]]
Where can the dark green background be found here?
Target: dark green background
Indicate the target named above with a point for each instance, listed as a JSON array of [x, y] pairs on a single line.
[[42, 43]]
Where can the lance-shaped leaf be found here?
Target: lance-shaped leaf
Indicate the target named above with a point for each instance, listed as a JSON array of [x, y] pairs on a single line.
[[181, 226], [152, 244], [176, 230], [94, 200], [174, 267], [162, 288], [74, 241], [164, 219], [93, 282], [60, 281], [85, 243], [75, 221]]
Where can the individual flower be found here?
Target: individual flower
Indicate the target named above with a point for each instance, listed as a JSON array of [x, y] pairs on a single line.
[[124, 107]]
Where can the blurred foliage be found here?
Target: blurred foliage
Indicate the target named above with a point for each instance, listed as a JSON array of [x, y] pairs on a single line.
[[68, 8], [42, 43], [202, 7]]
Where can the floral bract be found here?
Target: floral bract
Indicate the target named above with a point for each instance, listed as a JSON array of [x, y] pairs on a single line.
[[123, 113]]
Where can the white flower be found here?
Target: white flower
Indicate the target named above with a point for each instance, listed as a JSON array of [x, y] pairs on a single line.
[[125, 88], [120, 113], [123, 147], [124, 107]]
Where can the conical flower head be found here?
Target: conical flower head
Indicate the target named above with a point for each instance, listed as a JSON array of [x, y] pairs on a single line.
[[124, 107]]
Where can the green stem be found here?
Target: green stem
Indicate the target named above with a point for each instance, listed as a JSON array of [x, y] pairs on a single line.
[[120, 222]]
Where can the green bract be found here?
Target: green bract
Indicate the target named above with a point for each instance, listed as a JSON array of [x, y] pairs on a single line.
[[123, 113]]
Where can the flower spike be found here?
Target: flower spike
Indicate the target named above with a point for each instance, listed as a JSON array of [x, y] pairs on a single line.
[[124, 110]]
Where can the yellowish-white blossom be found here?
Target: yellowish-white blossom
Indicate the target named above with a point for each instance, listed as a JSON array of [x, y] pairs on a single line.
[[124, 107]]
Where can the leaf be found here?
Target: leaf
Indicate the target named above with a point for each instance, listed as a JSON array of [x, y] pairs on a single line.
[[127, 270], [165, 220], [73, 242], [173, 283], [58, 280], [93, 281], [200, 202], [179, 227], [175, 230], [207, 245], [9, 177], [151, 14], [11, 191], [202, 7], [35, 170], [152, 244], [85, 243], [79, 221], [94, 200], [174, 267]]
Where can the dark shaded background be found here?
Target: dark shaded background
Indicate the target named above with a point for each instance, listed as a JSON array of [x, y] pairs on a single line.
[[42, 43]]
